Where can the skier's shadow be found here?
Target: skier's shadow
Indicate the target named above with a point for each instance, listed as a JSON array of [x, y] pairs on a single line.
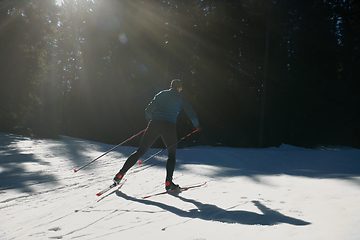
[[213, 213]]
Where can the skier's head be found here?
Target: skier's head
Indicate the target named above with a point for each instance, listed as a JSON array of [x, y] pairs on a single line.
[[176, 84]]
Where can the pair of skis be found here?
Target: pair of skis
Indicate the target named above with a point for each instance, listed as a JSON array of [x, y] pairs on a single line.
[[148, 196]]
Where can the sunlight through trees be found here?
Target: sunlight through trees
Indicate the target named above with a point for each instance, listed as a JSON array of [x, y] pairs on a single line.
[[88, 68]]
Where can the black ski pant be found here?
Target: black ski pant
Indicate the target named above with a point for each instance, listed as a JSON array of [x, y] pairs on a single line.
[[156, 128]]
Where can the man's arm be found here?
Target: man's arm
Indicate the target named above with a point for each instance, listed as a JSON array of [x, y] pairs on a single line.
[[191, 113], [150, 109]]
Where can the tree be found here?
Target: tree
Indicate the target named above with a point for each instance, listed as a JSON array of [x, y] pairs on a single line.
[[26, 27]]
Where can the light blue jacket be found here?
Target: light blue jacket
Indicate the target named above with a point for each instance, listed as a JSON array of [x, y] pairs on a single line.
[[166, 106]]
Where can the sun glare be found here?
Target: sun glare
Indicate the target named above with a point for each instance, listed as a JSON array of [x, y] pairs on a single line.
[[59, 2]]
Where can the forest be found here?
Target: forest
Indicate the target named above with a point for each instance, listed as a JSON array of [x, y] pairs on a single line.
[[258, 73]]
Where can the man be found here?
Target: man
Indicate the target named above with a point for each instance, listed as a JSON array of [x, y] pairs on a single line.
[[161, 114]]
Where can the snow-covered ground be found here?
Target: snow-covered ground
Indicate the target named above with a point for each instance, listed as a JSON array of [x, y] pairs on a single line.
[[273, 193]]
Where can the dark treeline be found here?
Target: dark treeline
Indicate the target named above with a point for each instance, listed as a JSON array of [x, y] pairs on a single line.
[[257, 72]]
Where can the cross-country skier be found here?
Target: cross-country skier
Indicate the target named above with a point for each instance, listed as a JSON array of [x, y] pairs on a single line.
[[161, 114]]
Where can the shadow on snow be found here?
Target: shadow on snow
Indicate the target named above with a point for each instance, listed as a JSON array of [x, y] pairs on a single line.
[[226, 162], [211, 212], [25, 162], [220, 161], [13, 162]]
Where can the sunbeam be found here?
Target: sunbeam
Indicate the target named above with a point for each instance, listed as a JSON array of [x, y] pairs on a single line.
[[59, 2]]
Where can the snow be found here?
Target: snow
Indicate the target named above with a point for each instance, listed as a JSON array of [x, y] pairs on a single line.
[[272, 193]]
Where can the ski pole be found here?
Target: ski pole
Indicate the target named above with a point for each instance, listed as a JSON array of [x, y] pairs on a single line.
[[141, 162], [76, 170]]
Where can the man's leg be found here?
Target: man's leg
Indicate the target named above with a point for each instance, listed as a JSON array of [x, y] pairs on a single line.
[[146, 142], [169, 137]]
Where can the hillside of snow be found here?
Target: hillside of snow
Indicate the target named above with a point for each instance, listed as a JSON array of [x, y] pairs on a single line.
[[272, 193]]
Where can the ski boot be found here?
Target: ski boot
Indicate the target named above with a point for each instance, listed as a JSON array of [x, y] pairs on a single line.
[[117, 178], [170, 186]]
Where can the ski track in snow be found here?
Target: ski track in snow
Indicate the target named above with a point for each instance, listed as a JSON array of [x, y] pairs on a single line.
[[273, 193]]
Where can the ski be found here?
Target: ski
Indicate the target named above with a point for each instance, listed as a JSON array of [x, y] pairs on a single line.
[[176, 190], [111, 187]]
